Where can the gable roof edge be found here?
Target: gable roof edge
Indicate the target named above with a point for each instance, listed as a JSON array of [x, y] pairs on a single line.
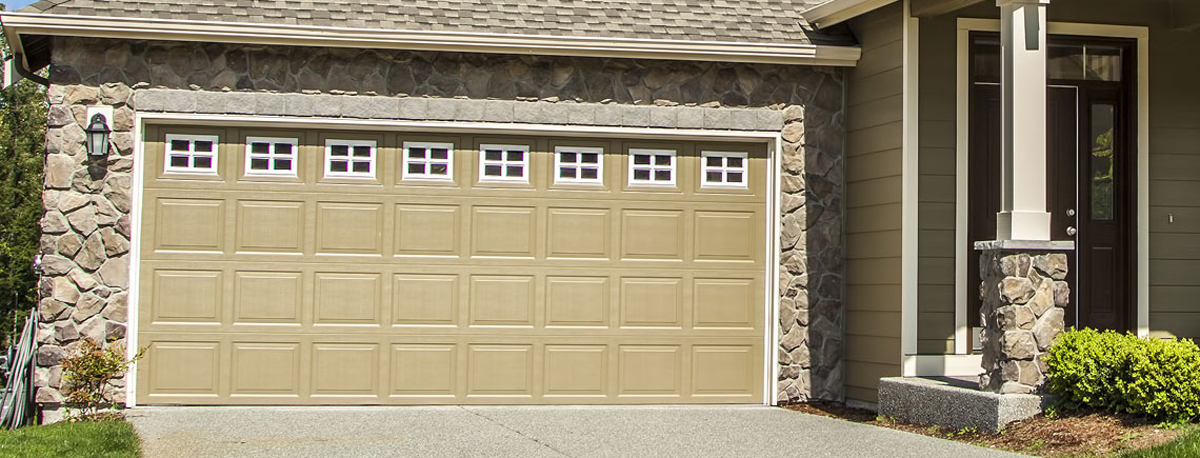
[[16, 24], [838, 11]]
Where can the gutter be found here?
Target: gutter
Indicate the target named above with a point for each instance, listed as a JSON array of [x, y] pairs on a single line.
[[16, 24], [16, 62], [838, 11]]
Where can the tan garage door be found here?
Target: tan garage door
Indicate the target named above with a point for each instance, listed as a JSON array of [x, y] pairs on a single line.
[[322, 267]]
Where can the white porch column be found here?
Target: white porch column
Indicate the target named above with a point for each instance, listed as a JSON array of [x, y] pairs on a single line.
[[1023, 213]]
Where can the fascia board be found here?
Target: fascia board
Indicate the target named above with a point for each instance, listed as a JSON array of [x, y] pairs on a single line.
[[295, 35], [839, 11]]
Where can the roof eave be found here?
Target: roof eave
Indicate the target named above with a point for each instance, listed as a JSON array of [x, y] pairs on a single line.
[[298, 35], [838, 11]]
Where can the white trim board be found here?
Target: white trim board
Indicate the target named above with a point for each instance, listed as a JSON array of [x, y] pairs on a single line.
[[771, 329], [772, 140], [838, 11], [1142, 35], [910, 189], [16, 24]]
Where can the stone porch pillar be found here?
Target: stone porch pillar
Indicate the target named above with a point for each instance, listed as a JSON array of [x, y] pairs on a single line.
[[1024, 287], [1024, 294]]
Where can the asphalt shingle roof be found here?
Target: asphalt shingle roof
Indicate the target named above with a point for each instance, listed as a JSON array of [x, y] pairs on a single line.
[[749, 21]]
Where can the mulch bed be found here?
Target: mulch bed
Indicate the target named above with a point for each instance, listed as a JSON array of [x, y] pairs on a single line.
[[1065, 434]]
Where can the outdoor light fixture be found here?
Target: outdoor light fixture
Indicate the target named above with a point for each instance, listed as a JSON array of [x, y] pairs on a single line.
[[97, 136]]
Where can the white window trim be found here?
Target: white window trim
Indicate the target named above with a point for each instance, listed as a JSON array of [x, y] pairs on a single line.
[[724, 169], [673, 167], [405, 175], [271, 156], [504, 163], [558, 150], [349, 173], [192, 139]]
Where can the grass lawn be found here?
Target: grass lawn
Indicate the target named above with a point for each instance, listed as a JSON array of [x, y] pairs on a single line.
[[108, 439], [1185, 446]]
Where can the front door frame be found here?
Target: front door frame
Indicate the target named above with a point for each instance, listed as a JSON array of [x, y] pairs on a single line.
[[963, 285]]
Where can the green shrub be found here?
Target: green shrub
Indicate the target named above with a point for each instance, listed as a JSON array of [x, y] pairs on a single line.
[[1123, 373], [87, 375]]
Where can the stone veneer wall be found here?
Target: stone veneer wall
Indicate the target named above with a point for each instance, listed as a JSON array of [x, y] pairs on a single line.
[[87, 225]]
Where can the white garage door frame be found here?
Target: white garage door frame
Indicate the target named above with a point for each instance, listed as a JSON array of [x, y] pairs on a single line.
[[772, 139]]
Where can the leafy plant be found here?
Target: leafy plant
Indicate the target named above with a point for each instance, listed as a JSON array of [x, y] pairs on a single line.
[[1128, 436], [965, 431], [1036, 446], [89, 372], [1124, 373]]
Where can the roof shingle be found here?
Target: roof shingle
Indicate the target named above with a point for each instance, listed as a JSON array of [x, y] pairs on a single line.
[[747, 21]]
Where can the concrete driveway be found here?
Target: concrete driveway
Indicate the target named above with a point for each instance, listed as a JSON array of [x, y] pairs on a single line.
[[740, 431]]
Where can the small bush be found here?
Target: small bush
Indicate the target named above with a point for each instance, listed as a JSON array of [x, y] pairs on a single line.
[[1124, 373], [88, 374]]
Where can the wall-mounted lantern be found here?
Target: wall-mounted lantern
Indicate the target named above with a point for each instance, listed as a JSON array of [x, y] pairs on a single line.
[[97, 136]]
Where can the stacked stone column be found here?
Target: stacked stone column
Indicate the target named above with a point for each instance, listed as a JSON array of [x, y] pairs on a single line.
[[1025, 295], [811, 255], [86, 232]]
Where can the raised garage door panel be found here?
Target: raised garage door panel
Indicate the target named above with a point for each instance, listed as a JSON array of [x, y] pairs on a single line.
[[318, 288]]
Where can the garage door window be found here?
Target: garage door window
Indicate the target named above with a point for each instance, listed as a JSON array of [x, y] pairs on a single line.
[[191, 154], [723, 170], [428, 161], [350, 158], [504, 163], [578, 165], [271, 156], [652, 167]]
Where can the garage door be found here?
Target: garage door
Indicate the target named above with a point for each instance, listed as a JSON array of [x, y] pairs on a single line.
[[326, 267]]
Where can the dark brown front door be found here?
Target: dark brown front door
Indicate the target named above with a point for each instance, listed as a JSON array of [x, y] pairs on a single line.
[[1089, 169]]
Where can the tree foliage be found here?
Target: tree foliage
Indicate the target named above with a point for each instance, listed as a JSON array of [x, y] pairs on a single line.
[[22, 156]]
